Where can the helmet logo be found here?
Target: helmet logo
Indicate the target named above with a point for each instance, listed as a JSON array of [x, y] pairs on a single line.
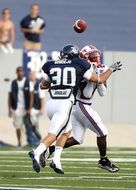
[[74, 50]]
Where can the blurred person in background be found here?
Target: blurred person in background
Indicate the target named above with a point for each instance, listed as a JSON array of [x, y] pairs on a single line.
[[32, 26], [20, 100], [7, 32], [38, 103]]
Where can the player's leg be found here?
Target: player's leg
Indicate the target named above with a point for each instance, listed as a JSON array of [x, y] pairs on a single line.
[[78, 130], [59, 144], [71, 142], [102, 145], [93, 121], [78, 134], [46, 155], [49, 152], [56, 164], [59, 116]]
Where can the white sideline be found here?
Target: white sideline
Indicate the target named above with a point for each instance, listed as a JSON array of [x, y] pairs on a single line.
[[79, 160], [96, 159], [72, 151], [73, 167], [96, 152], [78, 178], [94, 178], [75, 187], [81, 173]]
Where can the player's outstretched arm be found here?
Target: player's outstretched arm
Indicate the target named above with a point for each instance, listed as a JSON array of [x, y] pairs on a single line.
[[104, 76]]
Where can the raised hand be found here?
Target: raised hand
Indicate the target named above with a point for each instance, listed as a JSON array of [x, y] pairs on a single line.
[[116, 66]]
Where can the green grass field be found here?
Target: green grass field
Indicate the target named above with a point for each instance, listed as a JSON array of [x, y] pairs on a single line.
[[80, 166]]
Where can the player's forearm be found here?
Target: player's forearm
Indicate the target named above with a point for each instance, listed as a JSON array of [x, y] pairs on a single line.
[[96, 78], [104, 76]]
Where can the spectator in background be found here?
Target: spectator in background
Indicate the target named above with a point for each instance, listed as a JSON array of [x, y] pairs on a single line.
[[20, 100], [33, 26], [38, 103], [7, 32]]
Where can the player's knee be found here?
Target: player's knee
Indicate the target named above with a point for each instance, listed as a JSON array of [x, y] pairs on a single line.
[[105, 131], [66, 134]]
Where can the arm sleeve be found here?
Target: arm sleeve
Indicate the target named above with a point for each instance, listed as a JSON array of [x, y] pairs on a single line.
[[46, 77], [87, 75], [102, 89]]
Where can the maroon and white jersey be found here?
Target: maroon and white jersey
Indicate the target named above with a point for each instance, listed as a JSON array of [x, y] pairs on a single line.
[[87, 89]]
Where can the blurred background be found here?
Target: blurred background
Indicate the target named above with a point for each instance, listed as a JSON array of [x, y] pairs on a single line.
[[111, 27]]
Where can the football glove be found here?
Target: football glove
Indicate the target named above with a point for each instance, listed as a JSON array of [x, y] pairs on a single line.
[[116, 66]]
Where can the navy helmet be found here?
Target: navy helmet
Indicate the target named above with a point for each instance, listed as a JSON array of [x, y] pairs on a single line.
[[69, 52]]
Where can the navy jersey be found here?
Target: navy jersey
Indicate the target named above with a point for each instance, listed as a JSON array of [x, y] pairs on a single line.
[[29, 23], [66, 74]]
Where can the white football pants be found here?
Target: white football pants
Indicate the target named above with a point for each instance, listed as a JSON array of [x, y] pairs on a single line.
[[83, 117], [59, 112]]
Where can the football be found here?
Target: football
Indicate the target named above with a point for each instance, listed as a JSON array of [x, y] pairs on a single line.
[[80, 26]]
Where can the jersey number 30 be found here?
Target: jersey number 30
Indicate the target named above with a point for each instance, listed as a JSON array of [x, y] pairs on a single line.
[[66, 76]]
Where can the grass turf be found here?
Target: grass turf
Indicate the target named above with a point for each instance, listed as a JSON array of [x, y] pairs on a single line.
[[80, 166]]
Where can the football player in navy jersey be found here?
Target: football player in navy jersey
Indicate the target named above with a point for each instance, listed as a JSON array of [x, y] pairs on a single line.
[[62, 78], [84, 116]]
